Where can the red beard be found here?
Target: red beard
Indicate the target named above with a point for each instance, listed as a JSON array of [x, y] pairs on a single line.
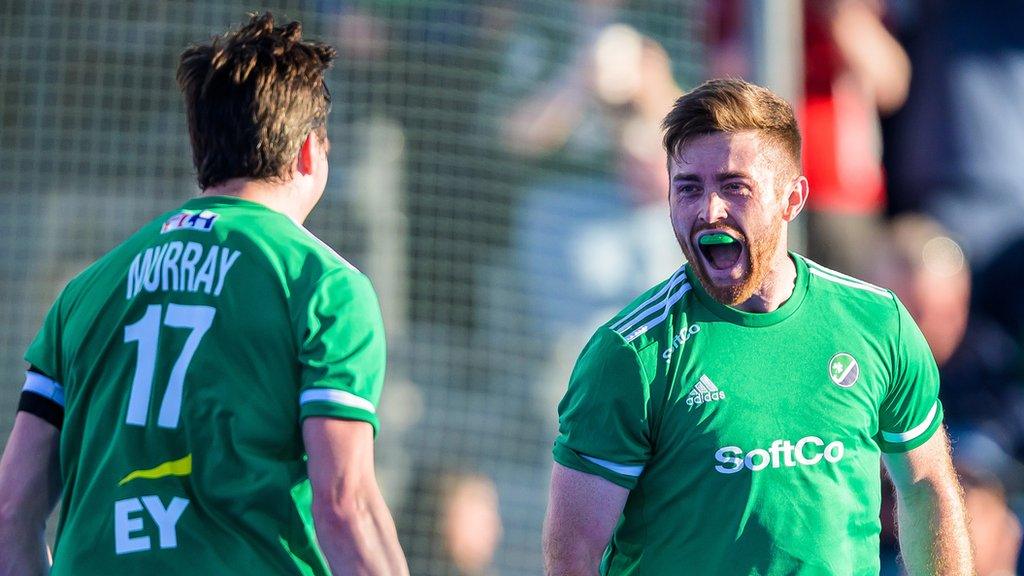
[[758, 252]]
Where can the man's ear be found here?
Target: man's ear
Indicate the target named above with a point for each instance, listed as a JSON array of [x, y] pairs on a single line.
[[794, 198], [307, 155]]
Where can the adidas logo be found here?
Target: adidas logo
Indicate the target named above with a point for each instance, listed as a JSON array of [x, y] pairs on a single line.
[[704, 391]]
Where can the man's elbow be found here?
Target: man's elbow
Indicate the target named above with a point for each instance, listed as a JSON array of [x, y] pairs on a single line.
[[343, 511], [570, 557], [939, 488]]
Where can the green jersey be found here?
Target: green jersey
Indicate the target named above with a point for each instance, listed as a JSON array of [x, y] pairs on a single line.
[[185, 360], [750, 442]]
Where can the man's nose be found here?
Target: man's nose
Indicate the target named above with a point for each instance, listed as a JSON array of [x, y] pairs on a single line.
[[713, 208]]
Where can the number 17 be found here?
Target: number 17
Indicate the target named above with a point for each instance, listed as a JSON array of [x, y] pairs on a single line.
[[147, 333]]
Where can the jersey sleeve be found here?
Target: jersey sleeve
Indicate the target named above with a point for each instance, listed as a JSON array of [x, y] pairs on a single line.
[[342, 350], [43, 391], [911, 411], [44, 353], [603, 419]]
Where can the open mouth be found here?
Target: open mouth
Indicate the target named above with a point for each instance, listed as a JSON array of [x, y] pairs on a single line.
[[721, 250]]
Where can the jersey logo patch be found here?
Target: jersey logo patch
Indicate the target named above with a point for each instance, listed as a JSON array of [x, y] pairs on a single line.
[[704, 391], [843, 370], [190, 220]]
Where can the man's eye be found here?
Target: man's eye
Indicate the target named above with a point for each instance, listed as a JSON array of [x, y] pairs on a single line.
[[688, 190], [735, 188]]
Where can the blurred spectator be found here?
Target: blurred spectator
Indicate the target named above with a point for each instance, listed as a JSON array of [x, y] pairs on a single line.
[[556, 120], [956, 150], [854, 70], [995, 530], [981, 388], [616, 77], [452, 524]]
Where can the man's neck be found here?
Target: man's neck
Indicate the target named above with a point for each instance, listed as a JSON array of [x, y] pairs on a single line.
[[281, 198], [777, 287]]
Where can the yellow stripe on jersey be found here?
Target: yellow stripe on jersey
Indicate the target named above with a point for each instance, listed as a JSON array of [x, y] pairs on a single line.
[[180, 467]]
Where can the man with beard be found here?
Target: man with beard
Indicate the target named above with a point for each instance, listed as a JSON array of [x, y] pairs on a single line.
[[731, 420]]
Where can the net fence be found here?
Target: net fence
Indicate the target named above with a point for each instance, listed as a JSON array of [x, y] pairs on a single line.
[[495, 171]]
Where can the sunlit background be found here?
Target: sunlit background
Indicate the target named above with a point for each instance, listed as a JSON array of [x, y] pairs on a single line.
[[496, 170]]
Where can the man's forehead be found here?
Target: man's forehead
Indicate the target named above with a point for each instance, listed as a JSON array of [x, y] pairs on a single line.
[[719, 152]]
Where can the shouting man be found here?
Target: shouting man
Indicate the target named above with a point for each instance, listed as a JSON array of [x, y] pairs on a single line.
[[732, 419]]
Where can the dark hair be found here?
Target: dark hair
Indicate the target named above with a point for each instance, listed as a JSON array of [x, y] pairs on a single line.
[[732, 105], [251, 98]]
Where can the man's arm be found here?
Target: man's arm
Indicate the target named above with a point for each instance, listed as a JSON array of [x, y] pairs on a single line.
[[930, 510], [30, 485], [353, 524], [582, 512]]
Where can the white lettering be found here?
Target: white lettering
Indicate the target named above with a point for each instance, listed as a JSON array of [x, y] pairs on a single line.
[[759, 453], [137, 272], [124, 526], [170, 267], [175, 267], [731, 463], [684, 335], [780, 454], [152, 282], [205, 275], [166, 518], [787, 454], [775, 450], [834, 452], [804, 460], [189, 259], [227, 260]]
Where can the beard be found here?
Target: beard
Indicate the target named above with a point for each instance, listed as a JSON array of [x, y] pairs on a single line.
[[759, 250]]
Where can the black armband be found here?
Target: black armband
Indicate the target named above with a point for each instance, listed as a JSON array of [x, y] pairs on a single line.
[[42, 407], [36, 402]]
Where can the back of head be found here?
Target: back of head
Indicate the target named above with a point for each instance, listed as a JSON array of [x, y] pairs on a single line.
[[251, 98], [731, 105]]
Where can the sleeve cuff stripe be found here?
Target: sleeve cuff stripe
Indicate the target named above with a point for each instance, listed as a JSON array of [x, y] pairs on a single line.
[[337, 397], [43, 386], [623, 469], [913, 432]]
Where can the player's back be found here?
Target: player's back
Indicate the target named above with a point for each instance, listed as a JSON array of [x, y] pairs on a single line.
[[184, 355]]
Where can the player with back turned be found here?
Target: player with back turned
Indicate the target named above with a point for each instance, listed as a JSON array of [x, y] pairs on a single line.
[[732, 419], [202, 399]]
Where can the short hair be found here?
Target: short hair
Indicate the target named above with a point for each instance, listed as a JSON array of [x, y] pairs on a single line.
[[731, 105], [251, 98]]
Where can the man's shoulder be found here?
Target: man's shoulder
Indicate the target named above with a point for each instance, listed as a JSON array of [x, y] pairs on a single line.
[[648, 312], [259, 232], [850, 297], [834, 284], [118, 257]]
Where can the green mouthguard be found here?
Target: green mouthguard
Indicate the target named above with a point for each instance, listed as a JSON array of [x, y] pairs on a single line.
[[718, 238]]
